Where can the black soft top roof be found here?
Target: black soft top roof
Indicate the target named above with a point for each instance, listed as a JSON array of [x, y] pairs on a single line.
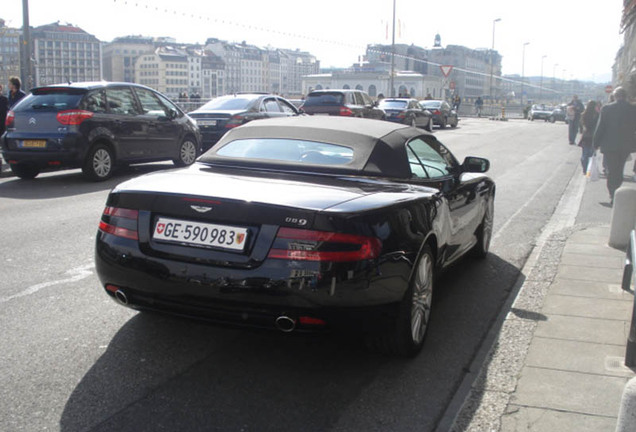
[[378, 146]]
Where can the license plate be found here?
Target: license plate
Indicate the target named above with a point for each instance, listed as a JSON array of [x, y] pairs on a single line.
[[32, 144], [206, 122], [202, 234]]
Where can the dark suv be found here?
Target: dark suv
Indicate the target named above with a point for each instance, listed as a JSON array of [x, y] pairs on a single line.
[[96, 126], [221, 114], [342, 102]]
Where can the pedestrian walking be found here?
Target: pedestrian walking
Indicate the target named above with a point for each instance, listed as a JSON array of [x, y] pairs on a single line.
[[589, 119], [457, 101], [574, 110], [15, 92], [615, 135], [479, 104]]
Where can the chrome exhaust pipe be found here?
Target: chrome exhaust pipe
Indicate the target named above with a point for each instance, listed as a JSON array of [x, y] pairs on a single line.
[[285, 324], [121, 297]]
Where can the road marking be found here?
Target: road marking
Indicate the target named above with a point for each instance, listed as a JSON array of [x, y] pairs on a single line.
[[75, 274]]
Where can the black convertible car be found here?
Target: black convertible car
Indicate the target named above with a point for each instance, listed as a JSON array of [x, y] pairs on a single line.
[[303, 223]]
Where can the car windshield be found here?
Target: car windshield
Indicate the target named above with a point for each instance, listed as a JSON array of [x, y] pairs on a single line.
[[393, 104], [288, 150], [228, 104], [430, 104], [54, 101], [324, 99]]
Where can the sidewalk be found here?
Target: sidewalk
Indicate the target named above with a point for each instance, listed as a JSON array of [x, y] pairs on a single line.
[[558, 360]]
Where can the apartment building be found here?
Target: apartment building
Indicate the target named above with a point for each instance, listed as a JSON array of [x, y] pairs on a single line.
[[119, 56], [9, 52], [165, 70], [65, 53]]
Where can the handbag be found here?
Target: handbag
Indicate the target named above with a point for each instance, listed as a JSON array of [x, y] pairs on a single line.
[[593, 172]]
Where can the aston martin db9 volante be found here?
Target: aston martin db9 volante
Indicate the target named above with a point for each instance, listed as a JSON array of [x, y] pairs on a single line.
[[301, 224]]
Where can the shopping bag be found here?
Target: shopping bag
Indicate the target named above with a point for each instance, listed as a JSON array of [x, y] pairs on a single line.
[[593, 172]]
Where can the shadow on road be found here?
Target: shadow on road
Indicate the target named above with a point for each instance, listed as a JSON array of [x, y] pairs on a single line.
[[64, 183], [163, 373]]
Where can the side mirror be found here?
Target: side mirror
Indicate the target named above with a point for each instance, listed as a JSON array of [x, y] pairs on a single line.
[[475, 164]]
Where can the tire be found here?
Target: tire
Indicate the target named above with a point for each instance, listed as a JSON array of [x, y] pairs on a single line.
[[454, 123], [429, 125], [25, 171], [187, 153], [551, 119], [484, 231], [99, 164], [413, 122], [442, 123], [406, 334]]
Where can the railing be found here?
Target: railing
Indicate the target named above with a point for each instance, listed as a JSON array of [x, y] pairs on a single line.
[[629, 284]]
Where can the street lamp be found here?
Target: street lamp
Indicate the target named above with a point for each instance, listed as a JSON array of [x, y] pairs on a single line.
[[523, 62], [554, 78], [541, 82], [491, 56]]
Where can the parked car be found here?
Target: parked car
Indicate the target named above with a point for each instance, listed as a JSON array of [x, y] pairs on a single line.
[[96, 126], [443, 113], [407, 111], [540, 112], [558, 114], [221, 114], [301, 224], [342, 102]]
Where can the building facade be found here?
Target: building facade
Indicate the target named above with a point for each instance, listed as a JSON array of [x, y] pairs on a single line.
[[119, 56], [624, 70], [65, 53], [166, 70], [9, 52]]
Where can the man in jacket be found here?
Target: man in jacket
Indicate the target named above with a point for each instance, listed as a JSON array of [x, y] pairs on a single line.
[[15, 93], [615, 135], [574, 111]]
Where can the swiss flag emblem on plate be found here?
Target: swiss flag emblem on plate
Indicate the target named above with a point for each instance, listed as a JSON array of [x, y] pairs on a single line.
[[160, 228]]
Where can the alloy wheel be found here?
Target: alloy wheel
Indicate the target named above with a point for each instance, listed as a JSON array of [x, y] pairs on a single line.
[[422, 298], [102, 163]]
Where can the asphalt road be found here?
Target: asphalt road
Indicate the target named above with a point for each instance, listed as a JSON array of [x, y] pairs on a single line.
[[73, 360]]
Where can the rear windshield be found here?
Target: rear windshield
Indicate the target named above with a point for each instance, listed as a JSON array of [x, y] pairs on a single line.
[[324, 99], [393, 104], [288, 150], [430, 104], [49, 101], [228, 104]]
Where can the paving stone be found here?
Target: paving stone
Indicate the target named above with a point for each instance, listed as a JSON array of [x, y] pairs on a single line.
[[590, 274], [587, 307], [569, 391], [613, 332], [523, 419]]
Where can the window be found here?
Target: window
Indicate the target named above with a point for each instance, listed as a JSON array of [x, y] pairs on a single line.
[[286, 108], [150, 104], [121, 101], [95, 102], [270, 105], [429, 160]]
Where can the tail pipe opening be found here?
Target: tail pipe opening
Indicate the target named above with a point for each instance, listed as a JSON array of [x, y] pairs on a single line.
[[285, 324]]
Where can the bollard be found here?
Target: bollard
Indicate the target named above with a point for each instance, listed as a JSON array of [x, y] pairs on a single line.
[[623, 217], [627, 413]]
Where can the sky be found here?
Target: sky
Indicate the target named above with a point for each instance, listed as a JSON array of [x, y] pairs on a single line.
[[567, 39]]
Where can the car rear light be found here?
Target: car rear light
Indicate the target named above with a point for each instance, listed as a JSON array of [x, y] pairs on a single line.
[[311, 321], [344, 111], [306, 245], [8, 122], [234, 121], [401, 115], [437, 112], [120, 222], [73, 117]]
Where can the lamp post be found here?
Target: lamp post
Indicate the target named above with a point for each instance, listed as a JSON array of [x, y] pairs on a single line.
[[541, 82], [392, 78], [523, 63], [491, 57], [554, 77]]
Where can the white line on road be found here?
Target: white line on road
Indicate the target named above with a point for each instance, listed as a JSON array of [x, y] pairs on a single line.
[[76, 274]]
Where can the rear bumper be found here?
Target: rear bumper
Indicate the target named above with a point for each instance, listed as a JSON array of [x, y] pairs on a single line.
[[250, 297], [65, 151]]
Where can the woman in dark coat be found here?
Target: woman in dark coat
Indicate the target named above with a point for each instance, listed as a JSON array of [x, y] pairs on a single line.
[[589, 118]]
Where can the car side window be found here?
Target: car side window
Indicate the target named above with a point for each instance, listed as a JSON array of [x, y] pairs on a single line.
[[94, 102], [150, 104], [287, 109], [366, 99], [270, 105], [359, 100], [429, 160], [168, 104], [121, 101]]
